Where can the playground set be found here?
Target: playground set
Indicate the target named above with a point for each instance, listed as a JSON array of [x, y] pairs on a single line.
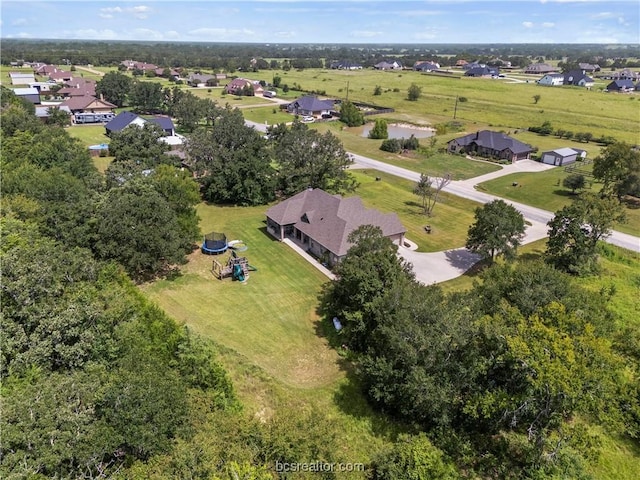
[[236, 267]]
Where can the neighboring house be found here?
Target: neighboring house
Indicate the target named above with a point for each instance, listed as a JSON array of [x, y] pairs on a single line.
[[42, 111], [87, 104], [482, 72], [461, 63], [562, 156], [45, 70], [388, 66], [122, 121], [426, 66], [134, 65], [578, 78], [345, 65], [43, 87], [21, 78], [61, 76], [625, 74], [321, 223], [587, 67], [621, 86], [311, 105], [552, 79], [125, 119], [172, 73], [78, 87], [200, 79], [238, 85], [30, 94], [486, 143], [540, 68]]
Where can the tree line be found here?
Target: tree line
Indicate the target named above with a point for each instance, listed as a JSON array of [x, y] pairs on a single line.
[[232, 57]]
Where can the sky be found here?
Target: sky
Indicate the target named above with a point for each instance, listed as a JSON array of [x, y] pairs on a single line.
[[319, 21]]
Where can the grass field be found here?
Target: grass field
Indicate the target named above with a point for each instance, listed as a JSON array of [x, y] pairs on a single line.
[[89, 134], [498, 103], [545, 190]]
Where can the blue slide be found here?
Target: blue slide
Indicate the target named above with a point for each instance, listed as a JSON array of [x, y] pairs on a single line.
[[238, 274]]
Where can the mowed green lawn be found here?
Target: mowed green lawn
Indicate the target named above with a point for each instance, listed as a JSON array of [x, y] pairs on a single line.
[[450, 220], [271, 319], [545, 190], [89, 134]]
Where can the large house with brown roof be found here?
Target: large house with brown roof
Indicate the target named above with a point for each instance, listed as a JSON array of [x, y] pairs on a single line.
[[240, 85], [321, 223]]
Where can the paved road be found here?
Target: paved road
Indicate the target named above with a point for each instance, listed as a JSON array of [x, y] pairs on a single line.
[[536, 216]]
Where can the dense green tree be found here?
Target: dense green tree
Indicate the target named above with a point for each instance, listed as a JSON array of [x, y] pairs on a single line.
[[575, 181], [377, 90], [370, 268], [351, 115], [141, 145], [498, 230], [58, 117], [17, 118], [306, 158], [138, 228], [189, 110], [414, 92], [115, 87], [618, 168], [182, 193], [379, 130], [232, 162], [575, 230], [147, 97], [413, 458]]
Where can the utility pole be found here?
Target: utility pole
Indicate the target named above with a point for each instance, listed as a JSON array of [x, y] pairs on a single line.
[[455, 108]]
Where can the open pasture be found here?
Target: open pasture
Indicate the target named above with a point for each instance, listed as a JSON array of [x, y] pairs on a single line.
[[501, 103]]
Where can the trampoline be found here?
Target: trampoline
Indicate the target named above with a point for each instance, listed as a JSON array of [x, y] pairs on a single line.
[[214, 243]]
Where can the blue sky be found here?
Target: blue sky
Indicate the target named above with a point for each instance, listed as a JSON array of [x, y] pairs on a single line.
[[346, 21]]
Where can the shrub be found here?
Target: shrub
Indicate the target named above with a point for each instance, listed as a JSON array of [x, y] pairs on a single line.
[[392, 145]]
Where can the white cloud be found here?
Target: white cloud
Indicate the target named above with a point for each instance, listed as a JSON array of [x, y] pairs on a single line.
[[92, 33], [221, 33], [602, 15], [147, 34], [19, 21], [527, 24], [548, 24], [284, 34], [20, 35], [139, 11], [424, 36], [172, 35], [365, 34]]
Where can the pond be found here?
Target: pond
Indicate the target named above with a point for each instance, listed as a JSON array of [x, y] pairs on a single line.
[[402, 131]]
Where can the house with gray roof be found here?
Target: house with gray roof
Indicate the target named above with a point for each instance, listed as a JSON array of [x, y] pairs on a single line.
[[21, 78], [426, 66], [621, 86], [578, 78], [482, 72], [311, 105], [31, 94], [384, 65], [486, 143], [321, 223], [537, 68]]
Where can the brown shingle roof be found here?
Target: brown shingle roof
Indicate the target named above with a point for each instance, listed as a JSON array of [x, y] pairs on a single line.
[[329, 219]]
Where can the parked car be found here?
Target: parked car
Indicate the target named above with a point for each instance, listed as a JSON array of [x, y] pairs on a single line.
[[307, 119], [327, 115]]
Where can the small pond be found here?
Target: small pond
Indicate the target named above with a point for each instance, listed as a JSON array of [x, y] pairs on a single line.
[[399, 131]]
